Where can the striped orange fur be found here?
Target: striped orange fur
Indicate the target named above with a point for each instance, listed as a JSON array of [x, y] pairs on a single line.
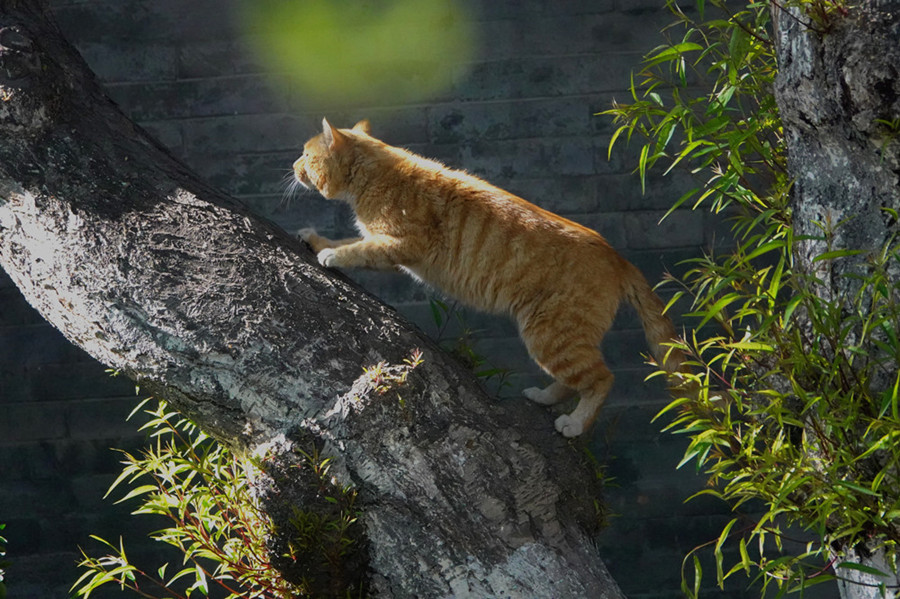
[[560, 281]]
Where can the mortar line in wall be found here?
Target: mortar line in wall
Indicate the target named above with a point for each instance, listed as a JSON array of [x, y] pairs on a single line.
[[578, 95], [468, 65], [428, 143], [74, 400], [450, 144], [421, 104], [400, 107], [443, 144]]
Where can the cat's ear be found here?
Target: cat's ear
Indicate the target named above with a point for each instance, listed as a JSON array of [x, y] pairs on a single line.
[[363, 126], [333, 137]]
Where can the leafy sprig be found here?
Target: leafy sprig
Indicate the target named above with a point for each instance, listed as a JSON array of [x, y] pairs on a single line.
[[202, 488]]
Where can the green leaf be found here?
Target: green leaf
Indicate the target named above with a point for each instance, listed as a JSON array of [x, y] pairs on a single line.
[[791, 306], [857, 488], [614, 137], [837, 254], [642, 167], [751, 346], [765, 248], [671, 406], [671, 53], [698, 575], [717, 308], [723, 536], [862, 568], [745, 557]]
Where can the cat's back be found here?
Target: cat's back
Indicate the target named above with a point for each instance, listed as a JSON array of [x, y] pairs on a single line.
[[496, 250]]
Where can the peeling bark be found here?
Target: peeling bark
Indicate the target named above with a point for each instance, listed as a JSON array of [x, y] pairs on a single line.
[[163, 278], [837, 86]]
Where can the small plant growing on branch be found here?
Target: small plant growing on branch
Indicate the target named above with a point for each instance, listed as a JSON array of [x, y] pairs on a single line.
[[203, 490]]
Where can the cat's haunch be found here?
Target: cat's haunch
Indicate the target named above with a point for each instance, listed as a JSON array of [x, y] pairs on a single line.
[[560, 281]]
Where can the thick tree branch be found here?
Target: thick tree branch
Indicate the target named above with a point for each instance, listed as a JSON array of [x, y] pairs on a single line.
[[172, 283], [838, 92]]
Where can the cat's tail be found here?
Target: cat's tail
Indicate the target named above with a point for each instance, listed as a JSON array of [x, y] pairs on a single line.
[[658, 327]]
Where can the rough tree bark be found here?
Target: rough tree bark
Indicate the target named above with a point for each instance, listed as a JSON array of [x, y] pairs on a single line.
[[173, 284], [837, 86]]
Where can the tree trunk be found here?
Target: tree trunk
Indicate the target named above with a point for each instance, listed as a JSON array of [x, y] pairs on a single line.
[[166, 280], [838, 91]]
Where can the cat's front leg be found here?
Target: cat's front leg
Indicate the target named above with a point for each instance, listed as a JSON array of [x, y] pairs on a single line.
[[549, 396], [381, 252], [319, 243], [326, 257]]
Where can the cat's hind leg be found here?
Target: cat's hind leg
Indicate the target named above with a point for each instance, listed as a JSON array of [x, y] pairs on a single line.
[[584, 414], [580, 368], [552, 394], [592, 382]]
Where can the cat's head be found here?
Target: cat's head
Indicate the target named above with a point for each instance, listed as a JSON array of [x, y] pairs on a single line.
[[326, 158]]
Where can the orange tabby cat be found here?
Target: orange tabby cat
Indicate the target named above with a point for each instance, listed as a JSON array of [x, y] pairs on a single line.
[[489, 248]]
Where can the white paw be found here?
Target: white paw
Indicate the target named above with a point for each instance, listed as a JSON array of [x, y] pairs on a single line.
[[305, 233], [568, 426], [327, 257], [537, 395]]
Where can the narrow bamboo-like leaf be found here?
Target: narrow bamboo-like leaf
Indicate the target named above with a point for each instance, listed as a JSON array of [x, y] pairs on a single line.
[[717, 308], [138, 491], [723, 536], [671, 406], [671, 53], [698, 575], [765, 248], [861, 568], [696, 451], [837, 254], [791, 306], [642, 167], [137, 408], [745, 557], [750, 346], [613, 139], [857, 488]]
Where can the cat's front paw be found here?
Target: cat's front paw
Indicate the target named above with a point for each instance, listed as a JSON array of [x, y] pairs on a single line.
[[568, 426], [538, 396], [306, 233], [327, 257]]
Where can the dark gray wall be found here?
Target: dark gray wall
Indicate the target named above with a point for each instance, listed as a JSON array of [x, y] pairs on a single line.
[[522, 116]]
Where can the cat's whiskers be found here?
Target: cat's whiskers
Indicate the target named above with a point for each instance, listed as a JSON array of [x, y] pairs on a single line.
[[292, 186]]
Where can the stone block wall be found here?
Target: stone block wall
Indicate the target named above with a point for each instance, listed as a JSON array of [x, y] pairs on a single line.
[[522, 115]]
